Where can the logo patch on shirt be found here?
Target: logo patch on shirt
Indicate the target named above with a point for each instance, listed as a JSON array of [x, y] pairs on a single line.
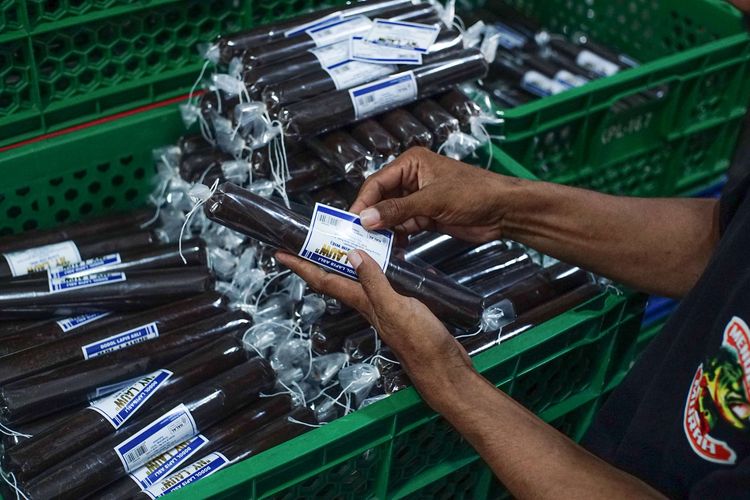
[[720, 391]]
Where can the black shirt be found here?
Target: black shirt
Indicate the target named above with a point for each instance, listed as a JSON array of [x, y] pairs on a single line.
[[680, 421]]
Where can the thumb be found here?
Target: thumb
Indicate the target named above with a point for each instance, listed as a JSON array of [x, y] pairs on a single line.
[[394, 211], [373, 281]]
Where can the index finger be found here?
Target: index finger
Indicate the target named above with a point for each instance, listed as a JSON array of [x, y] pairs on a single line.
[[393, 178]]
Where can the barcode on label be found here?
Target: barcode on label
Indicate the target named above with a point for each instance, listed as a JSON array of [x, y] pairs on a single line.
[[136, 453], [328, 220], [367, 99]]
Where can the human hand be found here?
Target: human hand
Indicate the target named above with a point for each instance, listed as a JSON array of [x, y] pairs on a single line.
[[428, 353], [421, 190]]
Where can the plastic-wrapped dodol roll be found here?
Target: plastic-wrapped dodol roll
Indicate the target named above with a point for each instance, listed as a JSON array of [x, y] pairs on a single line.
[[343, 107], [275, 225]]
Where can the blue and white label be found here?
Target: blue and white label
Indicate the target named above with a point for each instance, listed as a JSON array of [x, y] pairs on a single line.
[[403, 35], [382, 95], [69, 324], [569, 79], [106, 390], [364, 51], [334, 233], [168, 462], [38, 259], [331, 54], [85, 281], [347, 74], [196, 471], [121, 340], [85, 267], [596, 64], [338, 30], [507, 36], [164, 433], [117, 408], [323, 21]]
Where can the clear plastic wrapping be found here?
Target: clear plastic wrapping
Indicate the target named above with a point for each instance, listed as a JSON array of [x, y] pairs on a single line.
[[337, 109], [275, 225], [329, 334], [461, 107], [73, 384], [199, 164], [341, 152], [376, 139], [308, 172], [93, 246], [440, 123], [88, 426], [218, 436], [84, 230], [69, 349], [435, 248], [26, 297], [99, 465], [405, 127], [492, 263]]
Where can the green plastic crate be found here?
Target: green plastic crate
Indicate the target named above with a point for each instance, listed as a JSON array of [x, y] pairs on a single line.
[[395, 448], [697, 50], [65, 62]]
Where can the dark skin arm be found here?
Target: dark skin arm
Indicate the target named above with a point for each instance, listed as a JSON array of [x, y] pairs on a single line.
[[531, 458], [658, 246]]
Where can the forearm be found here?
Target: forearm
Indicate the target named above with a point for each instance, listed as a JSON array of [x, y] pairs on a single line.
[[532, 459], [655, 245]]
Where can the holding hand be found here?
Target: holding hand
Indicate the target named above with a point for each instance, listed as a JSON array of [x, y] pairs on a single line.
[[427, 351], [421, 190]]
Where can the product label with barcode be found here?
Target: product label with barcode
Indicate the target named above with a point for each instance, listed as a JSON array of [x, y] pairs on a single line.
[[381, 95], [540, 85], [85, 281], [84, 267], [334, 233], [339, 30], [403, 35], [196, 471], [331, 54], [164, 433], [347, 74], [74, 322], [597, 64], [117, 408], [120, 340], [168, 462], [37, 259], [364, 51]]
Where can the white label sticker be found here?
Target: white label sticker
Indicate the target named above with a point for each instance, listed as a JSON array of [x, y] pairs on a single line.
[[388, 93], [37, 259], [108, 389], [332, 54], [403, 35], [117, 408], [540, 85], [597, 64], [362, 50], [168, 462], [339, 30], [194, 472], [69, 324], [121, 340], [312, 24], [569, 79], [85, 281], [334, 233], [84, 267], [164, 433], [347, 74]]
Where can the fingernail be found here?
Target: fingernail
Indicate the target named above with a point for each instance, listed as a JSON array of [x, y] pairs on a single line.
[[354, 259], [369, 217]]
